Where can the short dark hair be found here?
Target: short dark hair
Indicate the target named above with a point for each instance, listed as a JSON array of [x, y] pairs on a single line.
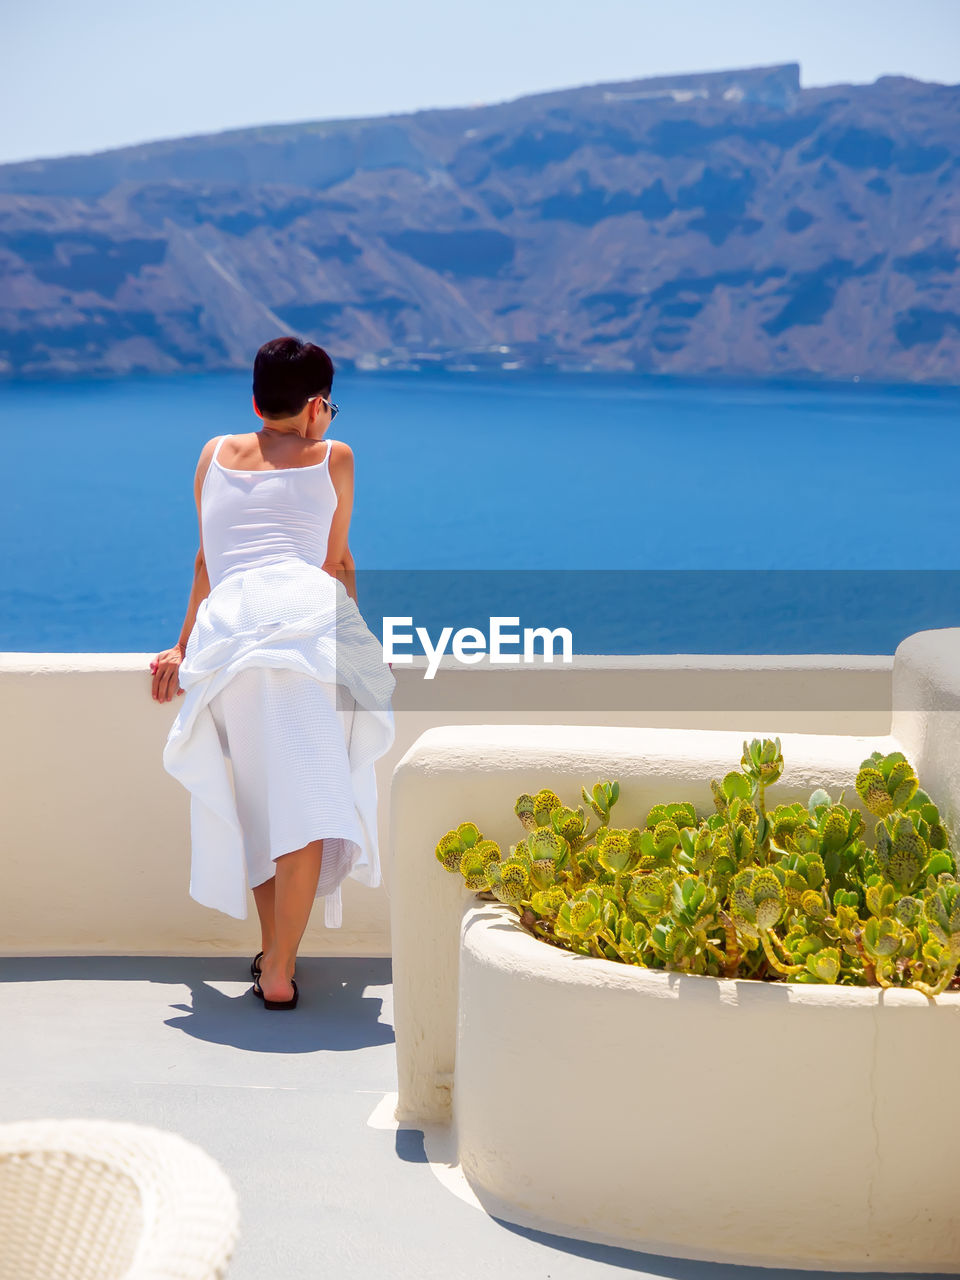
[[286, 373]]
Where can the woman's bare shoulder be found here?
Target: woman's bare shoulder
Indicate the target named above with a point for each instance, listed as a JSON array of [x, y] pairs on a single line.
[[341, 455], [203, 462]]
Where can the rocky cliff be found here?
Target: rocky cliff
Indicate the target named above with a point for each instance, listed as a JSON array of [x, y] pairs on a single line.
[[729, 224]]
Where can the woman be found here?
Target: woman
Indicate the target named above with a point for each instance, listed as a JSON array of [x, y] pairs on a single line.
[[287, 696]]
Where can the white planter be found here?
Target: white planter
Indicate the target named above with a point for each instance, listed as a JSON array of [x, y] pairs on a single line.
[[767, 1123], [778, 1124]]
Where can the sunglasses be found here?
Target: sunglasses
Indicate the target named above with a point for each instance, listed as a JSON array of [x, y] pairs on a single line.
[[334, 408]]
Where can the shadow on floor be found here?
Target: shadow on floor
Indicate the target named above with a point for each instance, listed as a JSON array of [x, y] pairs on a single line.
[[332, 1012]]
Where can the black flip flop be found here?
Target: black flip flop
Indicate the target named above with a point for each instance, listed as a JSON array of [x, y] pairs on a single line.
[[255, 966], [278, 1004]]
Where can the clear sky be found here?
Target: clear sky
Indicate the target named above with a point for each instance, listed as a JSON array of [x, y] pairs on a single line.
[[84, 75]]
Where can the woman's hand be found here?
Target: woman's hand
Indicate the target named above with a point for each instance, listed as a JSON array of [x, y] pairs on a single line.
[[166, 674]]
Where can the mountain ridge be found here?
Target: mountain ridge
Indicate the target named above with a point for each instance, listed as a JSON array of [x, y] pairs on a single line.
[[721, 223]]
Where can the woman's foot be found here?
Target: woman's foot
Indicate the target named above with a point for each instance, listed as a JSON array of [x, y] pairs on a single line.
[[275, 977], [258, 961]]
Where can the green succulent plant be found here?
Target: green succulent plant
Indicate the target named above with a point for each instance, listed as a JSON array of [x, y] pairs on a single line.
[[762, 760], [797, 892], [602, 799], [886, 783]]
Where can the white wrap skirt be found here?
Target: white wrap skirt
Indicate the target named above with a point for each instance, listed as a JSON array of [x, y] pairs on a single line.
[[286, 710]]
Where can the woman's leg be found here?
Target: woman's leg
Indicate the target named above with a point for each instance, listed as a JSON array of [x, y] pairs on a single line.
[[298, 874], [265, 896]]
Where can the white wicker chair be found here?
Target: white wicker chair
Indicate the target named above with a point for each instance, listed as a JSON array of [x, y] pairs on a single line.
[[109, 1200]]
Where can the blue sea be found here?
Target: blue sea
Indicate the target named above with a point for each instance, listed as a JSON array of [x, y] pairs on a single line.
[[647, 515]]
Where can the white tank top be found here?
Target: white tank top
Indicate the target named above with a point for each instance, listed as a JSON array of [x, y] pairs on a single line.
[[252, 518]]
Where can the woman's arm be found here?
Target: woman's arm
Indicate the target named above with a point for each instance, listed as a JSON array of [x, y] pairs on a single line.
[[339, 562], [166, 665], [198, 591]]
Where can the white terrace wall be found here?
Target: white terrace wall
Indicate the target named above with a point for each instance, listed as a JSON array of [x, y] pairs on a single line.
[[94, 834]]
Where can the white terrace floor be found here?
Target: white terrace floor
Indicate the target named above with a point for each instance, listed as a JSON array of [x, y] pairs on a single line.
[[296, 1106]]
